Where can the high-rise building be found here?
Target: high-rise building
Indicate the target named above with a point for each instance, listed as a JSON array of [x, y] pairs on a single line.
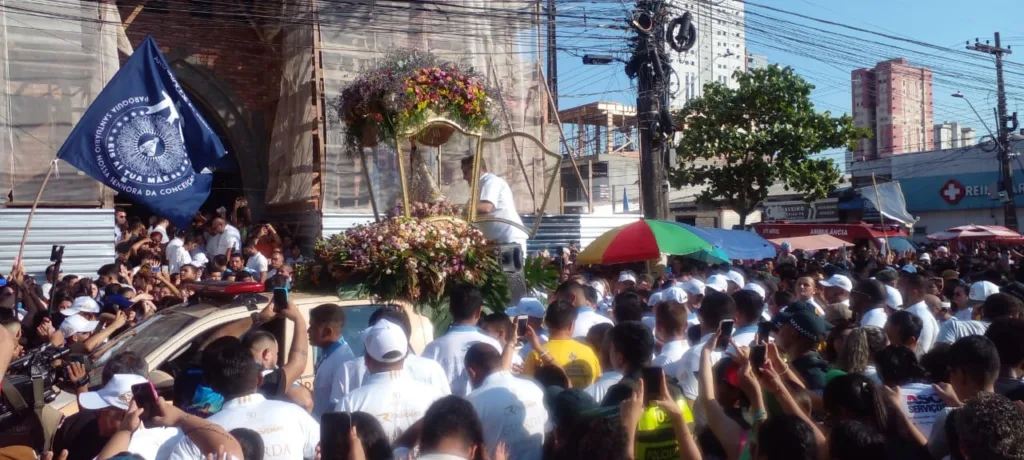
[[756, 61], [721, 48], [893, 100]]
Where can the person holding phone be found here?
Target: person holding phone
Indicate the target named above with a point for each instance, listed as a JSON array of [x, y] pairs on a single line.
[[112, 403], [263, 346]]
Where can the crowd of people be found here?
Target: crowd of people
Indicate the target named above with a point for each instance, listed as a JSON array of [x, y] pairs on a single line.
[[851, 354]]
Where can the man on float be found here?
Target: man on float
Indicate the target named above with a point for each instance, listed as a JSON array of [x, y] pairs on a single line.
[[496, 202]]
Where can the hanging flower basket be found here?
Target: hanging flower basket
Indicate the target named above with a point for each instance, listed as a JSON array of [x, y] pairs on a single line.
[[436, 135]]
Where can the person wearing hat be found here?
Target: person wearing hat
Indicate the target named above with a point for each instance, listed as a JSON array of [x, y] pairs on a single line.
[[717, 283], [287, 430], [786, 255], [627, 279], [867, 301], [735, 280], [534, 311], [996, 306], [388, 392], [837, 289], [980, 291], [800, 332], [84, 306], [511, 409]]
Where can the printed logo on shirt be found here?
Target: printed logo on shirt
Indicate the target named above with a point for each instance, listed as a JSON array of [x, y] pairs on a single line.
[[924, 403]]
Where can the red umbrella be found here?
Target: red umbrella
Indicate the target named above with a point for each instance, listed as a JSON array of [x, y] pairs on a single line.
[[978, 233]]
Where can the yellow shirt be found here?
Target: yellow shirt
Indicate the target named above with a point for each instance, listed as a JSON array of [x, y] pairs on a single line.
[[578, 360]]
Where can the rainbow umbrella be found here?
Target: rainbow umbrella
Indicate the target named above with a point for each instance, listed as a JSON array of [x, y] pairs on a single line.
[[641, 241]]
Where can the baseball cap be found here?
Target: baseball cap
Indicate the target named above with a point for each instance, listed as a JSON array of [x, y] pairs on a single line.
[[529, 306], [116, 393], [941, 250], [786, 246], [117, 300], [718, 282], [566, 406], [654, 298], [199, 260], [736, 277], [674, 294], [893, 298], [385, 342], [801, 316], [754, 287], [82, 304], [925, 257], [981, 290], [627, 276], [77, 324], [694, 286], [909, 268], [839, 281]]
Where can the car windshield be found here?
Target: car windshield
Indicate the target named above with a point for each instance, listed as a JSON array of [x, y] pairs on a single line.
[[142, 339], [356, 319]]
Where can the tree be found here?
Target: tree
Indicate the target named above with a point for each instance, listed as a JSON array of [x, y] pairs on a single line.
[[737, 143]]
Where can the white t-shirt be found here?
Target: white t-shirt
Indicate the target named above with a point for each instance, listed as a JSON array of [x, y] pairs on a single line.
[[874, 317], [587, 318], [328, 387], [288, 432], [511, 409], [600, 387], [671, 352], [955, 330], [648, 320], [495, 190], [395, 399], [449, 351], [219, 244], [929, 327], [178, 259], [686, 368], [965, 314], [257, 264], [418, 368], [155, 443]]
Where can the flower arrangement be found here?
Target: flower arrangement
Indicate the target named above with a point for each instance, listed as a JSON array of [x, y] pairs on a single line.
[[422, 209], [407, 88], [409, 259]]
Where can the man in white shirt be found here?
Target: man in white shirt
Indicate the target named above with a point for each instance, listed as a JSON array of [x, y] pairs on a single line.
[[112, 401], [449, 350], [695, 289], [257, 262], [511, 409], [716, 307], [388, 393], [225, 239], [670, 323], [182, 255], [426, 371], [496, 202], [914, 289], [325, 328], [806, 289], [867, 301], [288, 432], [996, 306], [630, 346], [749, 306], [585, 299]]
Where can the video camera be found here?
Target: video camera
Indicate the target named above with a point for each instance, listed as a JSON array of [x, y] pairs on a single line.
[[30, 379]]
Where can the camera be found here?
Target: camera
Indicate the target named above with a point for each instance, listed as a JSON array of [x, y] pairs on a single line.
[[57, 253], [31, 377]]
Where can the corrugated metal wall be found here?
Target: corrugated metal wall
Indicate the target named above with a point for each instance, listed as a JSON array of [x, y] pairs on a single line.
[[334, 223], [88, 235]]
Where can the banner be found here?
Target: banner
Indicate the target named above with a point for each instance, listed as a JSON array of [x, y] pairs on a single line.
[[888, 199], [143, 138]]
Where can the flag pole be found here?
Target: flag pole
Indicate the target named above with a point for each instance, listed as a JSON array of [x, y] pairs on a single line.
[[881, 215], [32, 212]]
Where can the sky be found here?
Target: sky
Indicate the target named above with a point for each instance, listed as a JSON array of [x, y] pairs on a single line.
[[947, 24]]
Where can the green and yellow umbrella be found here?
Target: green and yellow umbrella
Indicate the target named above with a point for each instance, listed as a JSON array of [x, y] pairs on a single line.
[[641, 241]]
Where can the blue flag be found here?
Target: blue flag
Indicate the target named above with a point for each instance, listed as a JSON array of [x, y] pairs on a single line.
[[143, 137], [625, 200]]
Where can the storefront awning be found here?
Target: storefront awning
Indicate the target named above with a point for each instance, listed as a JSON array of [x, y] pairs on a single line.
[[845, 232], [812, 243]]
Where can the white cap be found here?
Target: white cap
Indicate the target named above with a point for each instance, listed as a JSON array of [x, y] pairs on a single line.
[[529, 306], [627, 276], [694, 286], [925, 257], [116, 393], [981, 290], [941, 250], [77, 324], [654, 298], [674, 294], [754, 287], [385, 342], [718, 282], [786, 245], [839, 281], [199, 260], [736, 277], [599, 287], [893, 298], [82, 304]]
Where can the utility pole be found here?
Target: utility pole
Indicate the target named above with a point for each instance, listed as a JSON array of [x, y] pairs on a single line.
[[648, 66], [552, 59], [1004, 128]]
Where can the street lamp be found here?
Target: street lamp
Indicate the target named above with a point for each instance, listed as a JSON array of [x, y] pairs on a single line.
[[960, 95]]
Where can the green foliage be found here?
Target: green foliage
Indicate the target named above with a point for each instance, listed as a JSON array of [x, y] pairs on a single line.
[[540, 274], [737, 143]]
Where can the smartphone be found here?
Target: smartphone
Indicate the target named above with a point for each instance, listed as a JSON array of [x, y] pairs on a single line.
[[723, 340], [145, 398], [56, 253], [165, 269], [521, 322], [653, 378], [280, 298], [758, 355], [334, 437], [764, 330]]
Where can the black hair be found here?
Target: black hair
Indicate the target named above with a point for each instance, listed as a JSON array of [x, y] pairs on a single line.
[[395, 316], [999, 305], [857, 397], [977, 357], [591, 294], [328, 313], [596, 438], [371, 435], [452, 418], [257, 336], [251, 442], [1007, 334], [914, 281], [550, 375], [786, 437], [627, 306], [572, 288], [123, 247], [693, 334], [560, 315], [107, 270], [84, 287], [465, 302], [126, 362], [990, 426], [244, 275], [484, 357], [897, 365], [220, 260], [634, 341], [855, 440], [907, 325], [276, 281], [716, 307], [749, 304], [230, 370], [936, 362], [499, 320]]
